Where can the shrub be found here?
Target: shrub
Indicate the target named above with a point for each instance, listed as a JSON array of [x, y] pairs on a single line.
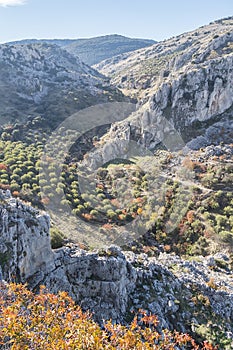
[[47, 321], [57, 238], [226, 237]]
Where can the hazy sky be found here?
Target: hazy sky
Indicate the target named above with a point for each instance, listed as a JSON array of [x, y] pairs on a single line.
[[154, 19]]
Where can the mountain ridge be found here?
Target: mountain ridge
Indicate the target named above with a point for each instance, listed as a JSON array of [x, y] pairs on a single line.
[[47, 80], [185, 79], [96, 49]]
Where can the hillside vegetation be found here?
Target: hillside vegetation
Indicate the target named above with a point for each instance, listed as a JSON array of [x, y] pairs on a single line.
[[48, 321], [199, 205], [157, 184], [94, 50], [45, 80]]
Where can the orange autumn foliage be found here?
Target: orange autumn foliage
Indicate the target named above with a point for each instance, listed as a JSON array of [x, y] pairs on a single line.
[[15, 194], [188, 163], [46, 321], [190, 216], [45, 200], [139, 211], [3, 166], [87, 216]]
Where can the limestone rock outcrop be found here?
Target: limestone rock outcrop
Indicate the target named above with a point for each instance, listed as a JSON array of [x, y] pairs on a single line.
[[114, 283], [185, 82], [25, 241]]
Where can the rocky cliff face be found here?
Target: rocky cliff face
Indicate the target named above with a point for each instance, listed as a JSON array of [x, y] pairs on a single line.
[[25, 241], [184, 294], [186, 80]]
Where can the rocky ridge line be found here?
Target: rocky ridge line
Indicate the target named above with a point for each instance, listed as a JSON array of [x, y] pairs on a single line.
[[185, 82]]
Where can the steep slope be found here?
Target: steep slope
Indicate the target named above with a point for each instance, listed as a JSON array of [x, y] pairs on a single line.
[[47, 80], [186, 80], [93, 50], [192, 296]]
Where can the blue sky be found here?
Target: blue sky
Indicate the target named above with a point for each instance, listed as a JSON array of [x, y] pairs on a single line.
[[87, 18]]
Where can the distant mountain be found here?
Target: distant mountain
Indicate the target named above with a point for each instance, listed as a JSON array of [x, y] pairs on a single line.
[[59, 42], [187, 80], [94, 50], [43, 79]]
